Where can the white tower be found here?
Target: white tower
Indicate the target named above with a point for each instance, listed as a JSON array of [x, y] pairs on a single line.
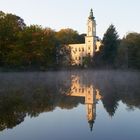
[[90, 39]]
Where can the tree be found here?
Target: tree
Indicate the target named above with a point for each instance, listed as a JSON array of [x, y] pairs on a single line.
[[30, 45], [10, 28], [110, 44], [49, 46], [129, 51], [87, 61], [81, 38], [122, 56], [38, 46], [68, 36], [64, 58]]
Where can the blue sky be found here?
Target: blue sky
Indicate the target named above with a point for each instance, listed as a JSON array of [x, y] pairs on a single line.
[[58, 14]]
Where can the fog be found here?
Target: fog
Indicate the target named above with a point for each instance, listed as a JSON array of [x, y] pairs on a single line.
[[99, 78]]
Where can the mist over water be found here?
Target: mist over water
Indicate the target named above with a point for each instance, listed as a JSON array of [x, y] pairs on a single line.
[[65, 104]]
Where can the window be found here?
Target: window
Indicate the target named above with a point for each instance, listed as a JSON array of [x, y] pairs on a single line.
[[89, 47], [79, 49], [83, 49], [79, 58]]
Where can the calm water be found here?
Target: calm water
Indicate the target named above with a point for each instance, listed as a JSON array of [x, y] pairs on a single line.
[[83, 105]]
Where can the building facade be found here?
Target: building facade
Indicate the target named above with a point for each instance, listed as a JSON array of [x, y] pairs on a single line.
[[80, 51]]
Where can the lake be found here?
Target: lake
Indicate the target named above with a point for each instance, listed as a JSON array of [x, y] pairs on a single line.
[[70, 105]]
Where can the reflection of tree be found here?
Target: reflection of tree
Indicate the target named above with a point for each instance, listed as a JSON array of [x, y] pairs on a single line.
[[128, 97], [11, 110], [110, 103], [16, 103], [115, 86], [131, 99], [69, 103]]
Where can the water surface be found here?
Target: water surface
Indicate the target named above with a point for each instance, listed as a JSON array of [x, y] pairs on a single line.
[[70, 105]]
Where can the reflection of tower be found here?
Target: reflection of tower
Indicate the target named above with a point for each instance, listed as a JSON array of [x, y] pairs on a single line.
[[89, 93], [90, 107]]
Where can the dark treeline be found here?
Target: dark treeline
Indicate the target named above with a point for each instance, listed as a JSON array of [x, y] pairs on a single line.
[[118, 53], [32, 47]]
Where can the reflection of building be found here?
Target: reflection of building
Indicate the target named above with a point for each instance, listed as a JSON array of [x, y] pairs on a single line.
[[91, 45], [90, 94]]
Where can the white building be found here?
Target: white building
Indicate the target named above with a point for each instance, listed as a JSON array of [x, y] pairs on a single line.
[[91, 45]]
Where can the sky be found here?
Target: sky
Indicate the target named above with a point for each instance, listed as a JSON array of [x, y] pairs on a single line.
[[59, 14]]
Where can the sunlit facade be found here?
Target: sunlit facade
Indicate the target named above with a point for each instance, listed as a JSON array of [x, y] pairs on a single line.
[[91, 45], [91, 95]]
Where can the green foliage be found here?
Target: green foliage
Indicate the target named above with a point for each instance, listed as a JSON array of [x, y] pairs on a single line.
[[10, 28], [68, 36], [106, 58], [87, 61], [81, 38], [38, 46], [123, 53], [24, 46], [129, 51], [110, 45], [64, 58]]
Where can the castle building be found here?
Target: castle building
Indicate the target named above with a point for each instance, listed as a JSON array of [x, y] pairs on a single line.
[[80, 51]]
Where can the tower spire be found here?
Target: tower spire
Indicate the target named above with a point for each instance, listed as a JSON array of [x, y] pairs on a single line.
[[91, 122], [91, 14]]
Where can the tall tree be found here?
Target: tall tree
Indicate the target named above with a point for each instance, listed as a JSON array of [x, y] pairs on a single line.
[[110, 45], [10, 28]]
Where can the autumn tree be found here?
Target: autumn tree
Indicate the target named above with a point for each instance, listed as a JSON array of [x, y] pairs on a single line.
[[38, 46], [10, 28], [67, 36]]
